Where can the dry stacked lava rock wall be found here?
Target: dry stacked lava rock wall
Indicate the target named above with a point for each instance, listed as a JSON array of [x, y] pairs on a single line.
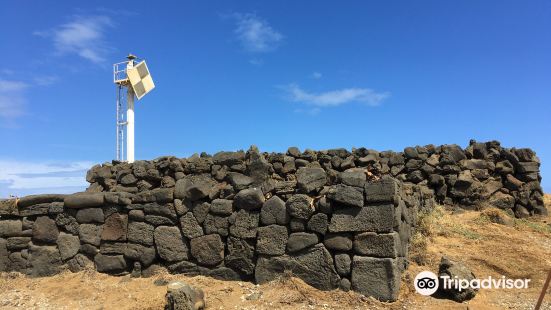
[[235, 215], [333, 218]]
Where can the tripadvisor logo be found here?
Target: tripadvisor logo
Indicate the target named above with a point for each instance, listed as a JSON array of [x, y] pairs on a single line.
[[427, 283]]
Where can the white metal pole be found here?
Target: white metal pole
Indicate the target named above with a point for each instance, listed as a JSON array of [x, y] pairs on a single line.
[[130, 126]]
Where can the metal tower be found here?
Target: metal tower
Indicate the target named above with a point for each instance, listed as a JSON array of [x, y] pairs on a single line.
[[132, 79]]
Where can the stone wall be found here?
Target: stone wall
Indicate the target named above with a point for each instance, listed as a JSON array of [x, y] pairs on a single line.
[[333, 218], [226, 216], [482, 174]]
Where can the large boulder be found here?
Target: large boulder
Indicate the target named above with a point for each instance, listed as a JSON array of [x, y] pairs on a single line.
[[208, 250], [376, 277], [239, 181], [384, 190], [338, 242], [379, 218], [450, 269], [314, 266], [30, 200], [310, 179], [90, 215], [377, 245], [170, 244], [221, 207], [354, 177], [181, 296], [4, 253], [301, 240], [44, 260], [271, 240], [190, 227], [45, 230], [347, 195], [502, 201], [249, 199], [143, 254], [274, 212], [240, 255], [300, 206], [10, 228], [110, 264], [84, 200], [68, 245], [216, 224], [318, 223], [115, 227], [228, 158], [194, 187], [90, 233], [140, 232], [244, 224]]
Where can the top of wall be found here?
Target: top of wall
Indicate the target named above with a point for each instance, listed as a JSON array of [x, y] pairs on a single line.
[[482, 171]]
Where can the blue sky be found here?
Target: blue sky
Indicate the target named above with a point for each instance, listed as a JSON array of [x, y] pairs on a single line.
[[228, 74]]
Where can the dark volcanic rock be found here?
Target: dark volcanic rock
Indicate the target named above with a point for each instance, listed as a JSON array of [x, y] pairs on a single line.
[[452, 269], [208, 250], [249, 199], [271, 240], [110, 264], [170, 244], [274, 212], [310, 179], [376, 277], [348, 195], [314, 266], [44, 261], [45, 230], [300, 206], [301, 240]]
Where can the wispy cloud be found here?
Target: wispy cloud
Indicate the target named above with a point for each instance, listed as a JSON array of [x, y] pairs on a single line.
[[45, 80], [83, 36], [28, 177], [255, 34], [12, 101], [335, 97], [256, 61], [7, 86], [316, 75]]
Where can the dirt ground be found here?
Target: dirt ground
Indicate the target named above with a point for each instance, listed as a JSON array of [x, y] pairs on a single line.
[[520, 249]]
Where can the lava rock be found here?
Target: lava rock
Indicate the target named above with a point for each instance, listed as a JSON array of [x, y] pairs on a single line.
[[45, 230], [310, 179], [314, 266], [68, 245], [274, 211], [271, 240], [300, 206], [249, 199], [301, 240], [208, 250], [140, 232], [452, 269], [169, 244]]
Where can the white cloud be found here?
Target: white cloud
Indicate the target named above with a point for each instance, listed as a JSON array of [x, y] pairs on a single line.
[[335, 97], [12, 101], [12, 86], [255, 34], [45, 80], [27, 177], [83, 36], [256, 62], [316, 75]]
